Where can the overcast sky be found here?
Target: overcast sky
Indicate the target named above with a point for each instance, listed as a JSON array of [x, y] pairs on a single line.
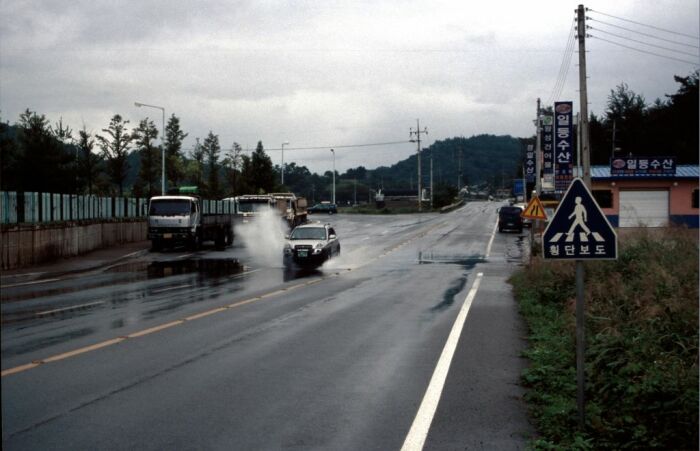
[[326, 73]]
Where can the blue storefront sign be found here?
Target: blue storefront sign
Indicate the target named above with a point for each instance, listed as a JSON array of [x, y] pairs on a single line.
[[643, 166], [563, 145], [529, 164], [547, 140], [518, 187]]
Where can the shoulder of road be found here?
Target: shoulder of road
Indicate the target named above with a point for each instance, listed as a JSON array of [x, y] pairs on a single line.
[[94, 260]]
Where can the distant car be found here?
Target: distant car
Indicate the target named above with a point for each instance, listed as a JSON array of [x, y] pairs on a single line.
[[310, 245], [509, 219], [324, 208]]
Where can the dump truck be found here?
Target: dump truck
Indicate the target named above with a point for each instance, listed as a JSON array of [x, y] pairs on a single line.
[[292, 209], [182, 217]]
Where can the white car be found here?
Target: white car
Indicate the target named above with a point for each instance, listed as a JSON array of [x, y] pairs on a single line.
[[310, 245]]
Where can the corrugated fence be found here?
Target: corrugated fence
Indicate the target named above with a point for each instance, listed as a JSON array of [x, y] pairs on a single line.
[[36, 208], [40, 227]]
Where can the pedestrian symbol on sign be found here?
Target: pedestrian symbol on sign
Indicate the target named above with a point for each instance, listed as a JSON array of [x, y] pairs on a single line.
[[580, 218], [579, 230]]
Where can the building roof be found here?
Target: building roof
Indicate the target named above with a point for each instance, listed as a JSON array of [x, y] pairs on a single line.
[[683, 171]]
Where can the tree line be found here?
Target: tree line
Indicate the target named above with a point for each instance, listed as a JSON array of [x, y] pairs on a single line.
[[630, 125], [38, 156], [119, 160]]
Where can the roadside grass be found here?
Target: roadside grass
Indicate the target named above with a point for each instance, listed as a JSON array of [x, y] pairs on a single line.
[[641, 346]]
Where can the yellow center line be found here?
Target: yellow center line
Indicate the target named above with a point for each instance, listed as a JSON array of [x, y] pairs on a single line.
[[156, 329], [152, 330], [69, 354]]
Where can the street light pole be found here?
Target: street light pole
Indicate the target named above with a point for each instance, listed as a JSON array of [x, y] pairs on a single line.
[[162, 144], [333, 152], [286, 143]]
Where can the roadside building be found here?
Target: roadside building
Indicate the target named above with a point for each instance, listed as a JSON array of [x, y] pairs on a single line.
[[635, 198]]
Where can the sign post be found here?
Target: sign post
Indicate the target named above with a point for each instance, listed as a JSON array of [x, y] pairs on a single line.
[[579, 231]]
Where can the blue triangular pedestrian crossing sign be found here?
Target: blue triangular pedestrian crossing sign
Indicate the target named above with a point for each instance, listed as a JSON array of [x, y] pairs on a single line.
[[579, 230]]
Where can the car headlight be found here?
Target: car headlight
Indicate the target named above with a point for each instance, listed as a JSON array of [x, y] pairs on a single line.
[[318, 248], [287, 248]]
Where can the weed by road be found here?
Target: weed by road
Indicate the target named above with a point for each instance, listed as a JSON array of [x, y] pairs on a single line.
[[641, 351]]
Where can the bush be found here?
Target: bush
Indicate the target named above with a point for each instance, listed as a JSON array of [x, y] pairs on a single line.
[[642, 346]]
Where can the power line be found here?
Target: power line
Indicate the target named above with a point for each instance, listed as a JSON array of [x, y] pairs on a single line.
[[346, 146], [644, 51], [643, 24], [642, 42], [643, 34], [564, 67]]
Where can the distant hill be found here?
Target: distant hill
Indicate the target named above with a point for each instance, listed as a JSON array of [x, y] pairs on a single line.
[[484, 159]]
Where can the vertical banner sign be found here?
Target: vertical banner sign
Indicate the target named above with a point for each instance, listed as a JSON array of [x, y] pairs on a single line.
[[530, 164], [547, 141], [563, 145]]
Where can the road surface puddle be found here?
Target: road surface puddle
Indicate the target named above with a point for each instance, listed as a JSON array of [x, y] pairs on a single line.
[[214, 267], [468, 261]]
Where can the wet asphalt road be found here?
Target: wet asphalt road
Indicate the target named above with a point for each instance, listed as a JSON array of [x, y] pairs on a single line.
[[227, 350]]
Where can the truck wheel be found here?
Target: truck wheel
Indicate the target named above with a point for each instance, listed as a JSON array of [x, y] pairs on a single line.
[[220, 240], [195, 242], [229, 236]]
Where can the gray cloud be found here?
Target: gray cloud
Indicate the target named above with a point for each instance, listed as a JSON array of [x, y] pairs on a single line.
[[316, 73]]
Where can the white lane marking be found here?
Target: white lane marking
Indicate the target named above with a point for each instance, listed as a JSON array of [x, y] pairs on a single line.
[[73, 307], [177, 287], [493, 235], [415, 440], [30, 283]]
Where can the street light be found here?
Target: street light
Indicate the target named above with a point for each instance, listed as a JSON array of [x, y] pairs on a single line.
[[333, 152], [286, 143], [162, 143]]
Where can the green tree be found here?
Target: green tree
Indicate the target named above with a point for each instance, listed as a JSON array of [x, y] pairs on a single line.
[[662, 128], [195, 168], [43, 163], [88, 162], [684, 118], [232, 164], [261, 174], [212, 149], [628, 110], [61, 132], [174, 158], [297, 179], [245, 180], [444, 195], [150, 157], [115, 149], [10, 158]]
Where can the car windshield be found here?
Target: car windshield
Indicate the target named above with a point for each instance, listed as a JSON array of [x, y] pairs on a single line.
[[510, 210], [309, 233], [170, 207]]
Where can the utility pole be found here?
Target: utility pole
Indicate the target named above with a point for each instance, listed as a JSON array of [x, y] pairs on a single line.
[[538, 151], [431, 180], [354, 197], [459, 171], [585, 143], [333, 152], [417, 133], [579, 165], [612, 151]]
